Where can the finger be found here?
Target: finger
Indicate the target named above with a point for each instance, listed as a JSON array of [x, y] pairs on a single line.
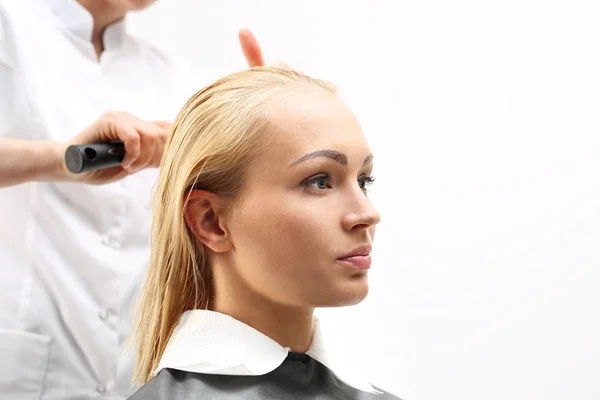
[[166, 127], [148, 146], [131, 141], [155, 128], [158, 152], [106, 128], [164, 130], [159, 149], [150, 134], [250, 48], [126, 133]]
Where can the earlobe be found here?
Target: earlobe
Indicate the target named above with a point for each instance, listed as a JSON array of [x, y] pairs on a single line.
[[201, 213]]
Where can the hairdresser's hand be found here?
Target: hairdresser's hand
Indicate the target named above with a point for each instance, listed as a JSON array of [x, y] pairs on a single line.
[[144, 143], [252, 52]]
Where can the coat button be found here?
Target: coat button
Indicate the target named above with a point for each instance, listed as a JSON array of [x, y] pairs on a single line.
[[101, 389], [111, 242]]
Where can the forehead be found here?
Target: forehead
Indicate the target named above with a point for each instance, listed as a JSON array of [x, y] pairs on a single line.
[[314, 120]]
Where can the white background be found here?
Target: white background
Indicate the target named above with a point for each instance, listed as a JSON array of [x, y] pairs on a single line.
[[484, 120]]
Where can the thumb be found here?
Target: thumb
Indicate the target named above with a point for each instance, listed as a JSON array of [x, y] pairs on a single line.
[[250, 48]]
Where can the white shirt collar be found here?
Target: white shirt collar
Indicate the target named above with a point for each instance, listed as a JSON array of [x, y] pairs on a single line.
[[209, 342], [78, 20]]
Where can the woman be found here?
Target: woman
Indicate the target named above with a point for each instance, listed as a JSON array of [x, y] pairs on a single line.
[[261, 215]]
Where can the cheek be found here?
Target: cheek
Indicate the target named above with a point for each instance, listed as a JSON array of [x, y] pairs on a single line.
[[283, 246], [278, 227]]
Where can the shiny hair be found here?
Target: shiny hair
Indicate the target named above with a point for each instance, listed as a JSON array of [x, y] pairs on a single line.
[[214, 136]]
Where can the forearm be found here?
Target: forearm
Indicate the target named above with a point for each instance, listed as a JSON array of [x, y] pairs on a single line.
[[30, 160]]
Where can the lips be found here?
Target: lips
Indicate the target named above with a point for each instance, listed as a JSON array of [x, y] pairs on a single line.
[[358, 258]]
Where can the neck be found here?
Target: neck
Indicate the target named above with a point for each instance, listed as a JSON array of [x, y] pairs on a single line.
[[289, 326], [104, 14]]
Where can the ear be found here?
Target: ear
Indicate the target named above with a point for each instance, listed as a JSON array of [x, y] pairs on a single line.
[[202, 216]]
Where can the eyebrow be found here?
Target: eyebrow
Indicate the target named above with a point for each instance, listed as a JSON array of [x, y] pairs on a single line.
[[334, 155]]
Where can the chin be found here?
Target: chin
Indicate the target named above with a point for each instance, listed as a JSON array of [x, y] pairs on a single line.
[[137, 5], [347, 294]]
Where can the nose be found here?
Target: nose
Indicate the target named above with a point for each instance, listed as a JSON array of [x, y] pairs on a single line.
[[361, 214]]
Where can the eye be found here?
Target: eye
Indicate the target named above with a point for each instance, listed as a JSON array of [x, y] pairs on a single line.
[[319, 182], [365, 181]]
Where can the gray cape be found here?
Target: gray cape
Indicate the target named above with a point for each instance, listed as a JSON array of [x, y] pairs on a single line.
[[298, 377]]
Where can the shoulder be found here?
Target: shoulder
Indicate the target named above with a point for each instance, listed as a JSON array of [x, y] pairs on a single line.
[[172, 384], [385, 395], [157, 388], [21, 25], [176, 384]]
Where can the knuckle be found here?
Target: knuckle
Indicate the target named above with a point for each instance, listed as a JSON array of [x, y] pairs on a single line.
[[154, 136], [133, 136], [124, 114], [109, 118], [146, 138]]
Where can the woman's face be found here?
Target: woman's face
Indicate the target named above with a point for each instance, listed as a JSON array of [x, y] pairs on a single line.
[[305, 206]]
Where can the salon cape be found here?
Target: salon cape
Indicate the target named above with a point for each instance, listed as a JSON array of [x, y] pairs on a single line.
[[214, 356], [73, 256]]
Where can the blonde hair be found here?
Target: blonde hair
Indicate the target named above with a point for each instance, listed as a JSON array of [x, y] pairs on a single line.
[[214, 136]]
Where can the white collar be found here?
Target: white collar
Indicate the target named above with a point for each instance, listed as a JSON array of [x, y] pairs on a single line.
[[209, 342], [78, 20]]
